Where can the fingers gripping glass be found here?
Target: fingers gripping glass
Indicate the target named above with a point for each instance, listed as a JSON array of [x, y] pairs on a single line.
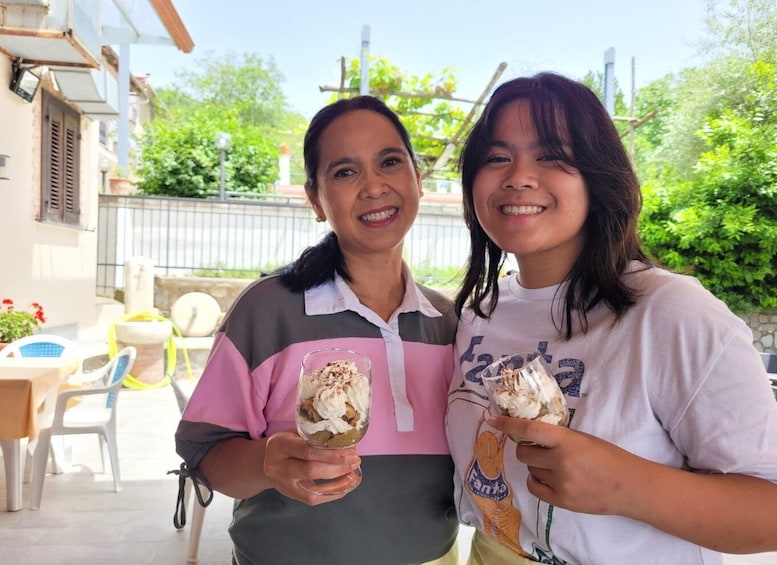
[[522, 386], [333, 408]]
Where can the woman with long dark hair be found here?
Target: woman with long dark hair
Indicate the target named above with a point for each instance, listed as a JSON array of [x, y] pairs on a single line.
[[670, 455], [352, 290]]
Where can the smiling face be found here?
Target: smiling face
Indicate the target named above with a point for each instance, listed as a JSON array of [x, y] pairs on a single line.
[[529, 202], [368, 185]]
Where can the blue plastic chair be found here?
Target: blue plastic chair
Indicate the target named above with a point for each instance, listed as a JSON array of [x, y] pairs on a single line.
[[41, 345]]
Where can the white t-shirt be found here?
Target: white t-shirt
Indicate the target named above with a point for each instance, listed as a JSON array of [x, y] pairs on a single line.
[[676, 381]]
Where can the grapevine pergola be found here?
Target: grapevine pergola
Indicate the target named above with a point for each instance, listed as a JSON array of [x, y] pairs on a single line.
[[431, 164]]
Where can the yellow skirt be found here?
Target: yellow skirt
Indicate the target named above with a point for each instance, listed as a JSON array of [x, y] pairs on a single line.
[[487, 551], [450, 558]]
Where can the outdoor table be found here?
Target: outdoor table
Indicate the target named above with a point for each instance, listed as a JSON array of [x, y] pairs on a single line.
[[25, 382]]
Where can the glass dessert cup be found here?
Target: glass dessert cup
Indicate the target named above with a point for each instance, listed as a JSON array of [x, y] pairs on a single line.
[[333, 408], [522, 386]]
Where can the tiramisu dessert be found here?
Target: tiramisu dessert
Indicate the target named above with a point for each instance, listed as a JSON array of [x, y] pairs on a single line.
[[526, 391], [334, 405]]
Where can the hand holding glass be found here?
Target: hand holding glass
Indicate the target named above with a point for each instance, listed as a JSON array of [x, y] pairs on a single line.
[[333, 408]]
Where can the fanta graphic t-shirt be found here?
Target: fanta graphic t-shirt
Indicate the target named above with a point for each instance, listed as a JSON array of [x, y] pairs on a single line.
[[653, 384]]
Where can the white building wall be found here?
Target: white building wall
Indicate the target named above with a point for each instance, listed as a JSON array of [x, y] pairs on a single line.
[[50, 264]]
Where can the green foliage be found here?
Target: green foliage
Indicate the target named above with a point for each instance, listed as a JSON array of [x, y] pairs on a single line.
[[743, 29], [595, 81], [238, 95], [447, 278], [740, 33], [16, 324], [247, 84], [721, 223], [425, 106], [179, 156], [437, 277]]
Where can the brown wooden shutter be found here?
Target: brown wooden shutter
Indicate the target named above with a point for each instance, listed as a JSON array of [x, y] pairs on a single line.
[[60, 162], [70, 166]]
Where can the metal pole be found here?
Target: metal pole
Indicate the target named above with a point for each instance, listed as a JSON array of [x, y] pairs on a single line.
[[365, 61], [222, 192], [633, 106], [122, 152], [609, 81]]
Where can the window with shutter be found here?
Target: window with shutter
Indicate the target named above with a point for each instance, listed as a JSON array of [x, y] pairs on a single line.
[[61, 140]]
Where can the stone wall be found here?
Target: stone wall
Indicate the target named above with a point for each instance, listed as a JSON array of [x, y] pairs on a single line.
[[169, 289], [764, 326]]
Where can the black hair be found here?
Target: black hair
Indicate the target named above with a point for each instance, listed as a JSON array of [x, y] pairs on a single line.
[[318, 264], [559, 106]]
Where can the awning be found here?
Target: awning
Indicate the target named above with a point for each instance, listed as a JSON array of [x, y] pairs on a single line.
[[72, 32], [94, 91], [154, 22]]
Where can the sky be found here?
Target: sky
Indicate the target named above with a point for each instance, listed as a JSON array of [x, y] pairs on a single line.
[[307, 38]]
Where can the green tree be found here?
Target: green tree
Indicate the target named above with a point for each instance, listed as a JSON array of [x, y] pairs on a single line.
[[708, 160], [248, 84], [743, 29], [721, 223], [739, 33], [240, 95]]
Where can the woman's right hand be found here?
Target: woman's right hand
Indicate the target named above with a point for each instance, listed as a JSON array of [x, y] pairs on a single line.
[[289, 460]]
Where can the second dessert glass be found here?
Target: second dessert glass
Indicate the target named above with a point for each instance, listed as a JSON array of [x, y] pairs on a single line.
[[522, 386], [333, 408]]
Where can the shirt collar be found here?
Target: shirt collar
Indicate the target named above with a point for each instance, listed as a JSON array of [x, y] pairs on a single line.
[[337, 296]]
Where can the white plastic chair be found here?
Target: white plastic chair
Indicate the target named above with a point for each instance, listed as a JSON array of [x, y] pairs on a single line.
[[104, 385], [183, 390], [41, 345]]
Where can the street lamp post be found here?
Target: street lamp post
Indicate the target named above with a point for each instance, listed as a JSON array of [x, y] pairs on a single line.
[[223, 143], [105, 164]]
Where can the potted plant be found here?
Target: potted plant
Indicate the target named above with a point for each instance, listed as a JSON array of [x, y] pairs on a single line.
[[119, 181], [15, 324]]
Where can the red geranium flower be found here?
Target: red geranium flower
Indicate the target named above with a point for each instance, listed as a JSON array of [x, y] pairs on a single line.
[[15, 324]]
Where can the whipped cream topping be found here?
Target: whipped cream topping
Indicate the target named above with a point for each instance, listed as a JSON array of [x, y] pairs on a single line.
[[528, 393], [334, 426], [332, 389], [513, 397]]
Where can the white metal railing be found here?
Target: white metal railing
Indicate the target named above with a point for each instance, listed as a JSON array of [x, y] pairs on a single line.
[[184, 235]]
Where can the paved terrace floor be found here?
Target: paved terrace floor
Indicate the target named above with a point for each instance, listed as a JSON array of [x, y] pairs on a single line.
[[82, 521]]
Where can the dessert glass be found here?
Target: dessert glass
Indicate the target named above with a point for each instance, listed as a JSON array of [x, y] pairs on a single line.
[[333, 408], [522, 386]]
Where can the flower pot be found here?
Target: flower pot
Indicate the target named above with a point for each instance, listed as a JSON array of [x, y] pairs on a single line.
[[149, 338], [120, 186]]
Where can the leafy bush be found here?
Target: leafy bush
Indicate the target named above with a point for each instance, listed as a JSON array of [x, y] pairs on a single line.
[[16, 324], [179, 156], [722, 224]]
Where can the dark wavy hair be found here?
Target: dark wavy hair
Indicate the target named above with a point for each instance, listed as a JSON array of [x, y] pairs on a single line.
[[319, 263], [561, 107]]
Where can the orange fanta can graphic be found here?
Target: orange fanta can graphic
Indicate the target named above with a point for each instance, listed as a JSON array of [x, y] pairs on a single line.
[[485, 480]]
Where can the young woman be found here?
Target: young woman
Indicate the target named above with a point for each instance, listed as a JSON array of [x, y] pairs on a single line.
[[671, 452], [352, 290]]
